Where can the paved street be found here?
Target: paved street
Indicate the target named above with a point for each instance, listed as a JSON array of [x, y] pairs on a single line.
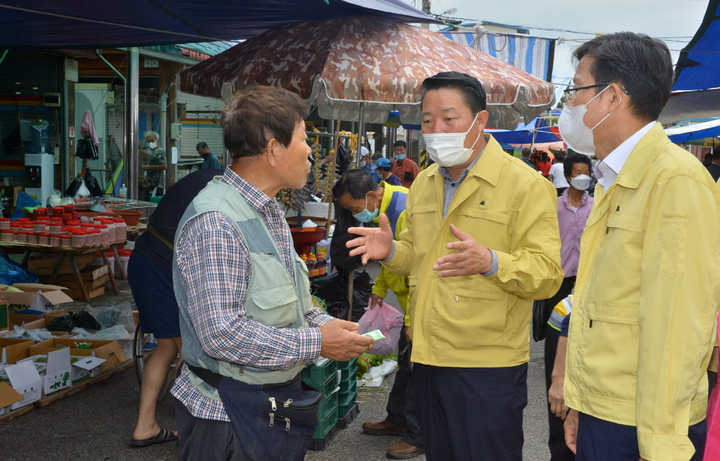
[[96, 424]]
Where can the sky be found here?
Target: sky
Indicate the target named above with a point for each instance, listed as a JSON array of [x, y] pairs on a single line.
[[673, 21]]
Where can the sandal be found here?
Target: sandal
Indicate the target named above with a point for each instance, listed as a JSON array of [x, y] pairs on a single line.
[[165, 435]]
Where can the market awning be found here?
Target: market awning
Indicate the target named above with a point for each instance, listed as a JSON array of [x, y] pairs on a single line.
[[535, 132], [93, 24], [696, 91], [683, 134]]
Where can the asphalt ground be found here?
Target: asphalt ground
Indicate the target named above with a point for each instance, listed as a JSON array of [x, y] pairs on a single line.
[[96, 424]]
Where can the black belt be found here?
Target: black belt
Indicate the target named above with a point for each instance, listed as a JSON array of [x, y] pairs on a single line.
[[213, 379]]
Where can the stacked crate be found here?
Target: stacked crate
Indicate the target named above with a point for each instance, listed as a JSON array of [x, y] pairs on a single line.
[[323, 376], [347, 394]]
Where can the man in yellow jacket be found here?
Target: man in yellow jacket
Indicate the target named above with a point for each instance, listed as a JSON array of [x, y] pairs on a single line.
[[481, 242], [358, 192], [642, 326]]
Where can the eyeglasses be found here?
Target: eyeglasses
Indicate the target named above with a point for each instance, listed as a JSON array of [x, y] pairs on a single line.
[[570, 92]]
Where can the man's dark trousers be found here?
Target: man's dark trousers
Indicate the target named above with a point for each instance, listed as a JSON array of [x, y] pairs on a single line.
[[600, 440], [471, 414], [401, 401]]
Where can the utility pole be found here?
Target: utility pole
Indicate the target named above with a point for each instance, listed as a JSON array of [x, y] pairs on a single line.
[[426, 10]]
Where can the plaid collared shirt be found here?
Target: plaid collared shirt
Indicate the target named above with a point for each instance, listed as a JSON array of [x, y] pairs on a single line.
[[214, 261]]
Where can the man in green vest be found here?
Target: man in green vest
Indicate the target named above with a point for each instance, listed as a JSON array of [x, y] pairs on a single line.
[[246, 317]]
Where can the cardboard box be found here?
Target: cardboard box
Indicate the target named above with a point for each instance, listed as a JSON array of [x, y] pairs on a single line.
[[8, 396], [85, 367], [25, 379], [108, 350], [36, 295], [45, 264], [14, 350], [56, 373], [89, 274]]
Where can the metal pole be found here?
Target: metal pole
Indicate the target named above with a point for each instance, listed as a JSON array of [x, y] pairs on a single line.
[[132, 127], [361, 133]]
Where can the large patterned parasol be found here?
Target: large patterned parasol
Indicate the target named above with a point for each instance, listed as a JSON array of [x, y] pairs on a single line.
[[378, 64]]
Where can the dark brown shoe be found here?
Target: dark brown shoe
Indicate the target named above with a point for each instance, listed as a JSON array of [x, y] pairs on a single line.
[[403, 450], [384, 427]]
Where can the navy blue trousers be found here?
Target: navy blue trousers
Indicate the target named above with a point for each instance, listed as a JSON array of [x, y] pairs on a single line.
[[600, 440], [471, 414]]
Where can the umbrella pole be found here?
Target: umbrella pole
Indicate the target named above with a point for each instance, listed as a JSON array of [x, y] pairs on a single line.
[[537, 127], [361, 133]]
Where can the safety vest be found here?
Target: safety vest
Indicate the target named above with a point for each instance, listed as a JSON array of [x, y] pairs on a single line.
[[273, 297]]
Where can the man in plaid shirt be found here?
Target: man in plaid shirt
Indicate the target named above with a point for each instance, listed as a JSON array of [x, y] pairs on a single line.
[[247, 321]]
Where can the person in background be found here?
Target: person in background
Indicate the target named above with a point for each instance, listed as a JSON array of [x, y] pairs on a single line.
[[404, 168], [477, 250], [574, 207], [543, 164], [150, 279], [714, 166], [384, 170], [246, 315], [367, 165], [154, 167], [526, 157], [707, 160], [358, 192], [557, 175], [646, 298], [209, 159]]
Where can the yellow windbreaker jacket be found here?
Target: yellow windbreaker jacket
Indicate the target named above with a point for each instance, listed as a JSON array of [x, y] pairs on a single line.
[[477, 321], [643, 320], [386, 279]]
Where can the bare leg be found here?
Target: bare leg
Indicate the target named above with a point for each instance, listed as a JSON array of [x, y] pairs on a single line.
[[154, 376]]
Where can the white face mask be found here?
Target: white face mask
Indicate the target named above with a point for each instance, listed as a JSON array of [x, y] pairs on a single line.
[[581, 182], [152, 145], [573, 130], [363, 163], [448, 149]]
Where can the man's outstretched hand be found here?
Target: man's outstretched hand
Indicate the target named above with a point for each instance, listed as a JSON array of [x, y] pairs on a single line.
[[341, 341], [374, 242]]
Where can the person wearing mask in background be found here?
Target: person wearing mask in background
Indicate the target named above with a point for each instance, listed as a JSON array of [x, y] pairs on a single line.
[[246, 315], [646, 298], [209, 159], [150, 279], [156, 164], [357, 192], [557, 175], [481, 242], [574, 207], [384, 170], [404, 168], [526, 157], [367, 165]]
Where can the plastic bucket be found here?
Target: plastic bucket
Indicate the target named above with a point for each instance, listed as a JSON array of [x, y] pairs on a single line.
[[124, 255]]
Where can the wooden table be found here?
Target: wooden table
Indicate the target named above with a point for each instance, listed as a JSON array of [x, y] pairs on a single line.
[[69, 253]]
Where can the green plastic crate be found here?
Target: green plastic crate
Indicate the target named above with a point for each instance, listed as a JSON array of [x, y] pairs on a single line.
[[328, 405], [346, 365], [348, 388], [326, 424], [317, 375], [348, 374], [346, 402]]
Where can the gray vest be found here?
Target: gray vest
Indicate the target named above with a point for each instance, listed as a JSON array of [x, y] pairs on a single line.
[[273, 298]]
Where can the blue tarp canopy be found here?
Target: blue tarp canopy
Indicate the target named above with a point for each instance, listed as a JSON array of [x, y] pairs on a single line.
[[696, 91], [694, 132], [102, 24], [523, 134]]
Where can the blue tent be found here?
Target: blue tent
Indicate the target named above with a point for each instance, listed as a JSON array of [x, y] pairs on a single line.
[[523, 134], [98, 24], [696, 92]]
